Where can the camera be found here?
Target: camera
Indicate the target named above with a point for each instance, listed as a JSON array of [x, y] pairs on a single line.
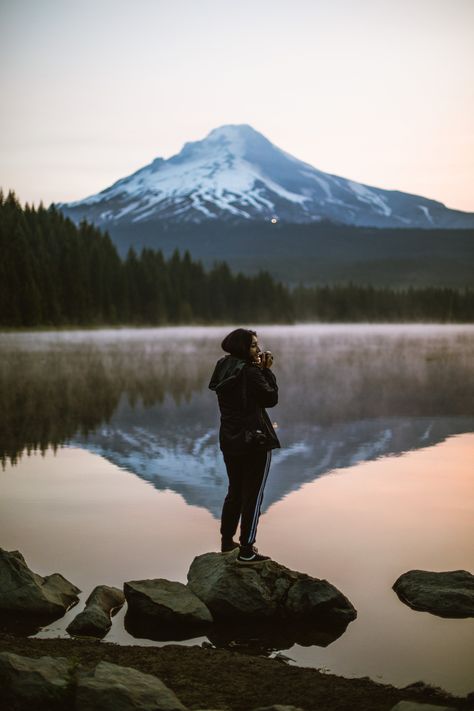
[[255, 437], [264, 357]]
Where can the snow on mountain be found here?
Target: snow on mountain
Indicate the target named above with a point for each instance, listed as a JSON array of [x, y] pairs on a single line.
[[235, 174]]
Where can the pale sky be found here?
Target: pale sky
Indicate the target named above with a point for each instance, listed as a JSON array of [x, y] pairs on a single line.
[[378, 91]]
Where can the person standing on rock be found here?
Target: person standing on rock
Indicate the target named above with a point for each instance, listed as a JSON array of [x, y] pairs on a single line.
[[245, 386]]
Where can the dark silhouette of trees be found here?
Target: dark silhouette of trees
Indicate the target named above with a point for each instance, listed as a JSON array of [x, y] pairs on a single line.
[[54, 274], [352, 303]]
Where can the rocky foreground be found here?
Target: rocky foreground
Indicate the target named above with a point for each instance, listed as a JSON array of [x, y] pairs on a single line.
[[200, 678], [235, 606]]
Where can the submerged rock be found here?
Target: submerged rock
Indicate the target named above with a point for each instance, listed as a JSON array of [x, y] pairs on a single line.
[[265, 591], [447, 594], [165, 607], [110, 687], [25, 592], [35, 683], [95, 619]]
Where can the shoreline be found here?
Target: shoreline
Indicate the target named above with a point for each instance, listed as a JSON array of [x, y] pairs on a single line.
[[245, 682], [221, 324]]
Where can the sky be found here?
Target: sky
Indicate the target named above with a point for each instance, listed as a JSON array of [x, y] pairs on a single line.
[[377, 91]]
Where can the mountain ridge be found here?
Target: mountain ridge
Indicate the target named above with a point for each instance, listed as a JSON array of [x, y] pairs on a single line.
[[235, 175]]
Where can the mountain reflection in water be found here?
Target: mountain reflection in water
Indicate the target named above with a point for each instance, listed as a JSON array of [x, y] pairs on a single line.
[[140, 399]]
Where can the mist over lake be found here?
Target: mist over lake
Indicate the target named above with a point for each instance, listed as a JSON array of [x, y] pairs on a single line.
[[111, 471]]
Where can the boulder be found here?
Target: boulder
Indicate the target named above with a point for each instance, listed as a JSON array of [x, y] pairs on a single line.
[[50, 683], [95, 619], [447, 594], [35, 683], [113, 688], [25, 592], [264, 591], [165, 606]]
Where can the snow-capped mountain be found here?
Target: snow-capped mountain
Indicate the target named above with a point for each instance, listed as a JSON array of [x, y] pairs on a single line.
[[235, 175]]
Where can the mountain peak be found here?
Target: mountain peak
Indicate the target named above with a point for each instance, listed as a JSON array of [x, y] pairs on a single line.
[[231, 131], [236, 139]]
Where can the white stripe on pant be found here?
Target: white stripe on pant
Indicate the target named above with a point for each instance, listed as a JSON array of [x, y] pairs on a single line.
[[253, 528]]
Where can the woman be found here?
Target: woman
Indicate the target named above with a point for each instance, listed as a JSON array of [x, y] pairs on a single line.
[[245, 386]]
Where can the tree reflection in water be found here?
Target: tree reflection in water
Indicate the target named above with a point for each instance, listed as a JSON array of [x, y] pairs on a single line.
[[59, 387]]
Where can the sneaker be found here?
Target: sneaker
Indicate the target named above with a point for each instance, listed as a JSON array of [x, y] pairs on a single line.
[[228, 545], [250, 554]]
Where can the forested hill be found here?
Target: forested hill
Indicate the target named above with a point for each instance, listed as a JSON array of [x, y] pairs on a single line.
[[53, 273]]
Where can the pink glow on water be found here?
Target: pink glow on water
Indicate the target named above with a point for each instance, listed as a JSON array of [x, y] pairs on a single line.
[[359, 527]]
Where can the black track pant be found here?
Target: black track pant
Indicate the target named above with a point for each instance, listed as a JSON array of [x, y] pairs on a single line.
[[247, 477]]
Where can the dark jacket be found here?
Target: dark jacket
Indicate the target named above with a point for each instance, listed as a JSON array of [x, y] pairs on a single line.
[[244, 391]]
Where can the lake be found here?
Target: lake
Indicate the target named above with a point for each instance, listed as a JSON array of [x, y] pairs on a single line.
[[112, 472]]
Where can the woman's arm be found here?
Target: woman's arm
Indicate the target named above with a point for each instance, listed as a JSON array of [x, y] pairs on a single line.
[[262, 383]]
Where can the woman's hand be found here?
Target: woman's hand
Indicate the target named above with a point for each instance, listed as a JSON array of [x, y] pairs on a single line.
[[266, 359]]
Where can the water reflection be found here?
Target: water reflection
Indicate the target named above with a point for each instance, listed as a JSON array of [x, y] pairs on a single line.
[[157, 630], [359, 528], [255, 638], [140, 399], [24, 625], [54, 388], [261, 639]]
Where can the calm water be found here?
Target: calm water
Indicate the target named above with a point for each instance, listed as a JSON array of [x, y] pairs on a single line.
[[112, 473]]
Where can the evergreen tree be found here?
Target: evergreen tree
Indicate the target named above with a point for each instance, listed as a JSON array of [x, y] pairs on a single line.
[[54, 273]]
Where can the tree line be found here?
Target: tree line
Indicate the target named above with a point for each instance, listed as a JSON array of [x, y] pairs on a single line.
[[56, 274]]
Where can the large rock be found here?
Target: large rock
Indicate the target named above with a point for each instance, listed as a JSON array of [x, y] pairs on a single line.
[[113, 688], [264, 590], [95, 619], [449, 594], [25, 592], [165, 605], [51, 684], [43, 683]]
